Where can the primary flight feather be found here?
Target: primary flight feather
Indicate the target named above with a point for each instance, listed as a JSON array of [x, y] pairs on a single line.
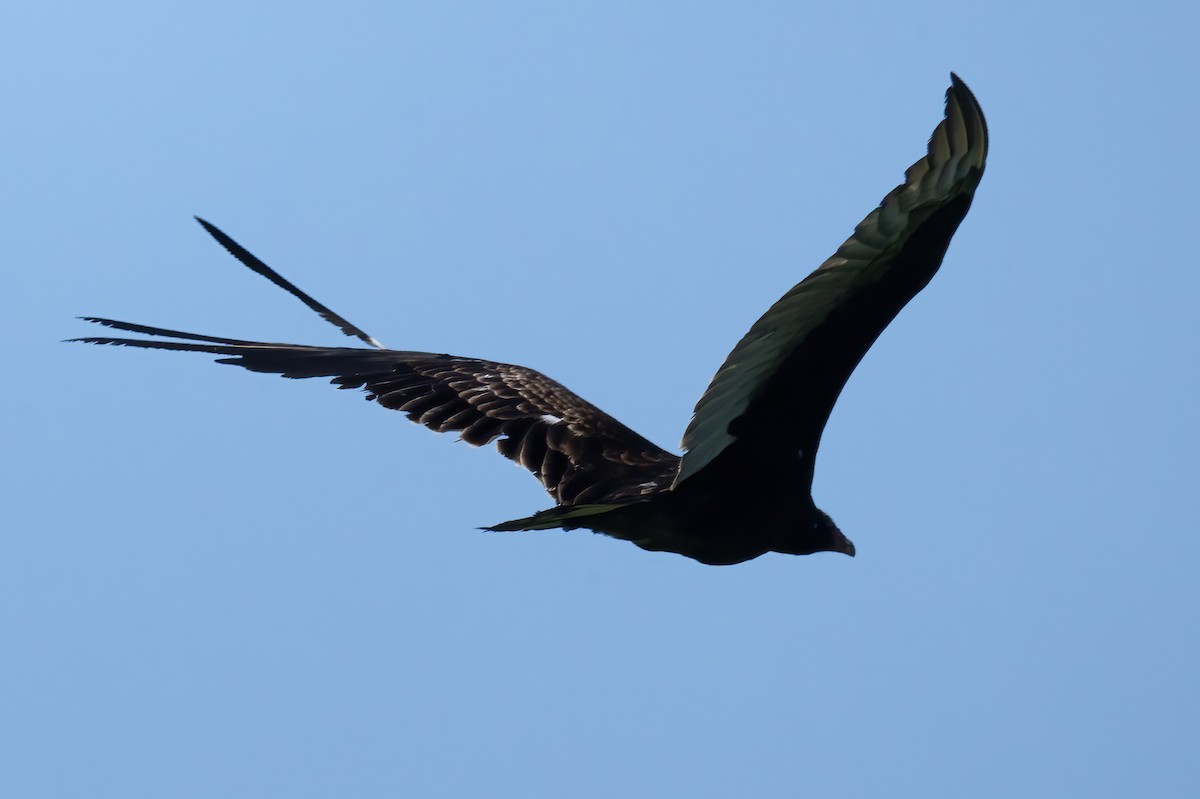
[[743, 486]]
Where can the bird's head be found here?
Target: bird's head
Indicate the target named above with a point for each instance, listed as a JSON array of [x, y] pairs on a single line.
[[827, 532], [820, 535]]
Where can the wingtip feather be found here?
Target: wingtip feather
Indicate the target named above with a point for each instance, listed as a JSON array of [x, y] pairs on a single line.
[[252, 262]]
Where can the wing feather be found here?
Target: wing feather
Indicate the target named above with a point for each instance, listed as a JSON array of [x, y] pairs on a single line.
[[572, 447], [885, 241]]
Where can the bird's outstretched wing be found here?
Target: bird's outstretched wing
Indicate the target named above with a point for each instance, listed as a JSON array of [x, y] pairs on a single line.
[[578, 452], [775, 391]]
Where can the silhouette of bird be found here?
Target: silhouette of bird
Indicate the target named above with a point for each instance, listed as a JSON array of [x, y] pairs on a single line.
[[743, 486]]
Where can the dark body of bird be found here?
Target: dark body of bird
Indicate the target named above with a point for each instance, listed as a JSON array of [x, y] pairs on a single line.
[[743, 486]]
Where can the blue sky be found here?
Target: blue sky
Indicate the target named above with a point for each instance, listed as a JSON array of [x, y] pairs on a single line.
[[214, 583]]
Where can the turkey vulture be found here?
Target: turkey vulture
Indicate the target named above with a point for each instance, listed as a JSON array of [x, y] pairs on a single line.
[[743, 485]]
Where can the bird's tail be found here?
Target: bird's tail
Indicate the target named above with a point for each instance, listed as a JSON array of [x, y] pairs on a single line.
[[568, 517]]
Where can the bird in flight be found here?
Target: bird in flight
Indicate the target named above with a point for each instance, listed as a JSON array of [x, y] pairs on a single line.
[[743, 486]]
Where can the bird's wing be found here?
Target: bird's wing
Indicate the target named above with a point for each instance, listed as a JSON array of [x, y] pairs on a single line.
[[778, 385], [578, 452]]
